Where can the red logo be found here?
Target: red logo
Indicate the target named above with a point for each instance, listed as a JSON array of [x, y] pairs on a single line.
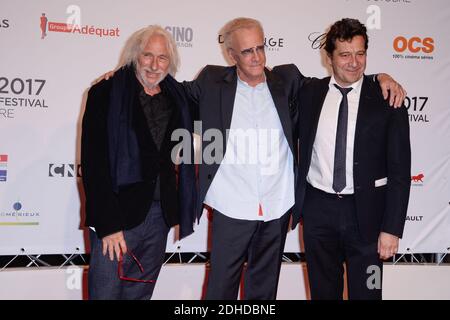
[[418, 178], [88, 30]]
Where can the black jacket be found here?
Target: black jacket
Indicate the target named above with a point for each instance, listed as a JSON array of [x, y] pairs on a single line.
[[108, 211], [212, 96], [381, 150]]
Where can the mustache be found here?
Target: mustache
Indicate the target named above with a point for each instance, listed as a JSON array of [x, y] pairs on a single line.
[[152, 71]]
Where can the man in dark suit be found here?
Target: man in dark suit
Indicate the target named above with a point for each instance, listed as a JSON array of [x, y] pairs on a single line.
[[134, 192], [354, 174], [251, 201], [247, 106], [247, 173]]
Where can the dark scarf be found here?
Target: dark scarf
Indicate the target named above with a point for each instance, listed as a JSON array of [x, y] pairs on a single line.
[[123, 144], [124, 154]]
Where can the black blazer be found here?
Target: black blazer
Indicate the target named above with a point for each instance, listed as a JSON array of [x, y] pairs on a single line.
[[110, 212], [381, 150], [212, 96]]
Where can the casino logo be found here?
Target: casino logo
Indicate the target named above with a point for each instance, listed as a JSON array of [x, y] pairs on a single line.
[[183, 36]]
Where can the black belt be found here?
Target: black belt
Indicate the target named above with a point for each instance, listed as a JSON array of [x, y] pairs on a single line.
[[330, 195]]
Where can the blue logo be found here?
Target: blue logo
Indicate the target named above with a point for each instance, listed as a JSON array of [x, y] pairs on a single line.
[[17, 206]]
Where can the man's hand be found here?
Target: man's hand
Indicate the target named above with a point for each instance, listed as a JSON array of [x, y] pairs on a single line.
[[389, 85], [114, 243], [106, 76], [387, 245]]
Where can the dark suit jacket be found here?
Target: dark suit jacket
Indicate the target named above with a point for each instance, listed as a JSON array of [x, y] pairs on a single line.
[[381, 149], [212, 97], [110, 212]]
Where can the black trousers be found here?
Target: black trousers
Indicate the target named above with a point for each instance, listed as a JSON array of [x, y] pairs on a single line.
[[147, 242], [234, 242], [331, 239]]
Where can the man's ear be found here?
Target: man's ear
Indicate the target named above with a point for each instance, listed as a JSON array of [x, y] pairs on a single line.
[[230, 53], [329, 59]]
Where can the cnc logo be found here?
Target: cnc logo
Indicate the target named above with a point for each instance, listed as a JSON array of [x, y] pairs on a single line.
[[64, 170]]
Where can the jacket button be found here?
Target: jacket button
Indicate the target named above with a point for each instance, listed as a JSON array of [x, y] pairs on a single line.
[[209, 177], [356, 163], [358, 187]]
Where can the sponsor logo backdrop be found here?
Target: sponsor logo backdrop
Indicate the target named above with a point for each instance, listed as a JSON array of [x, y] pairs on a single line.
[[52, 51]]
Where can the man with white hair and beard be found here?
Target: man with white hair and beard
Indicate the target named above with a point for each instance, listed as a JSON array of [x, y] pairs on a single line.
[[134, 191]]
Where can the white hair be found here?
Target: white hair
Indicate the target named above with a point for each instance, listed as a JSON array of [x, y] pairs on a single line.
[[236, 24], [138, 41]]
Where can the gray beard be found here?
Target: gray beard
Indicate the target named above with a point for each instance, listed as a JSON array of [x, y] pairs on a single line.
[[150, 86]]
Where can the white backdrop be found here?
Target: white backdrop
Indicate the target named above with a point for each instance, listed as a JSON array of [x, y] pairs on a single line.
[[44, 79]]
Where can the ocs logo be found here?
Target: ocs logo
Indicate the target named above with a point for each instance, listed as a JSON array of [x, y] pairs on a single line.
[[414, 44]]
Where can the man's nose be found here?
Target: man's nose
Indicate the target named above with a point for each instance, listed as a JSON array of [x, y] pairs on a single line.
[[154, 65]]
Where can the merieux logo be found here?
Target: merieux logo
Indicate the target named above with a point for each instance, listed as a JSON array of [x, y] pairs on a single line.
[[414, 48], [417, 180], [87, 30], [19, 217], [3, 167]]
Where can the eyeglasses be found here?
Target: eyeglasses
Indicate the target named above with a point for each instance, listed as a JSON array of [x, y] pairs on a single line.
[[120, 269], [248, 52]]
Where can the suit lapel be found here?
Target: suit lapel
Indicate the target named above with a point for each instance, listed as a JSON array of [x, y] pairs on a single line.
[[228, 94], [318, 100], [364, 113], [281, 104]]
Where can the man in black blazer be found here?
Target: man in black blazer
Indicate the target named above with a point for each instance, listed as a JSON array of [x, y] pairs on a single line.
[[134, 191], [250, 201], [247, 110], [251, 206], [354, 175]]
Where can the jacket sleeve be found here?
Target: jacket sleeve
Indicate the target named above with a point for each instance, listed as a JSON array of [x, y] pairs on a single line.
[[399, 172], [194, 90], [102, 205]]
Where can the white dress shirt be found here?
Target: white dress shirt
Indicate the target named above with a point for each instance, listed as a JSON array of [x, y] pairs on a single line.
[[257, 169], [320, 174]]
